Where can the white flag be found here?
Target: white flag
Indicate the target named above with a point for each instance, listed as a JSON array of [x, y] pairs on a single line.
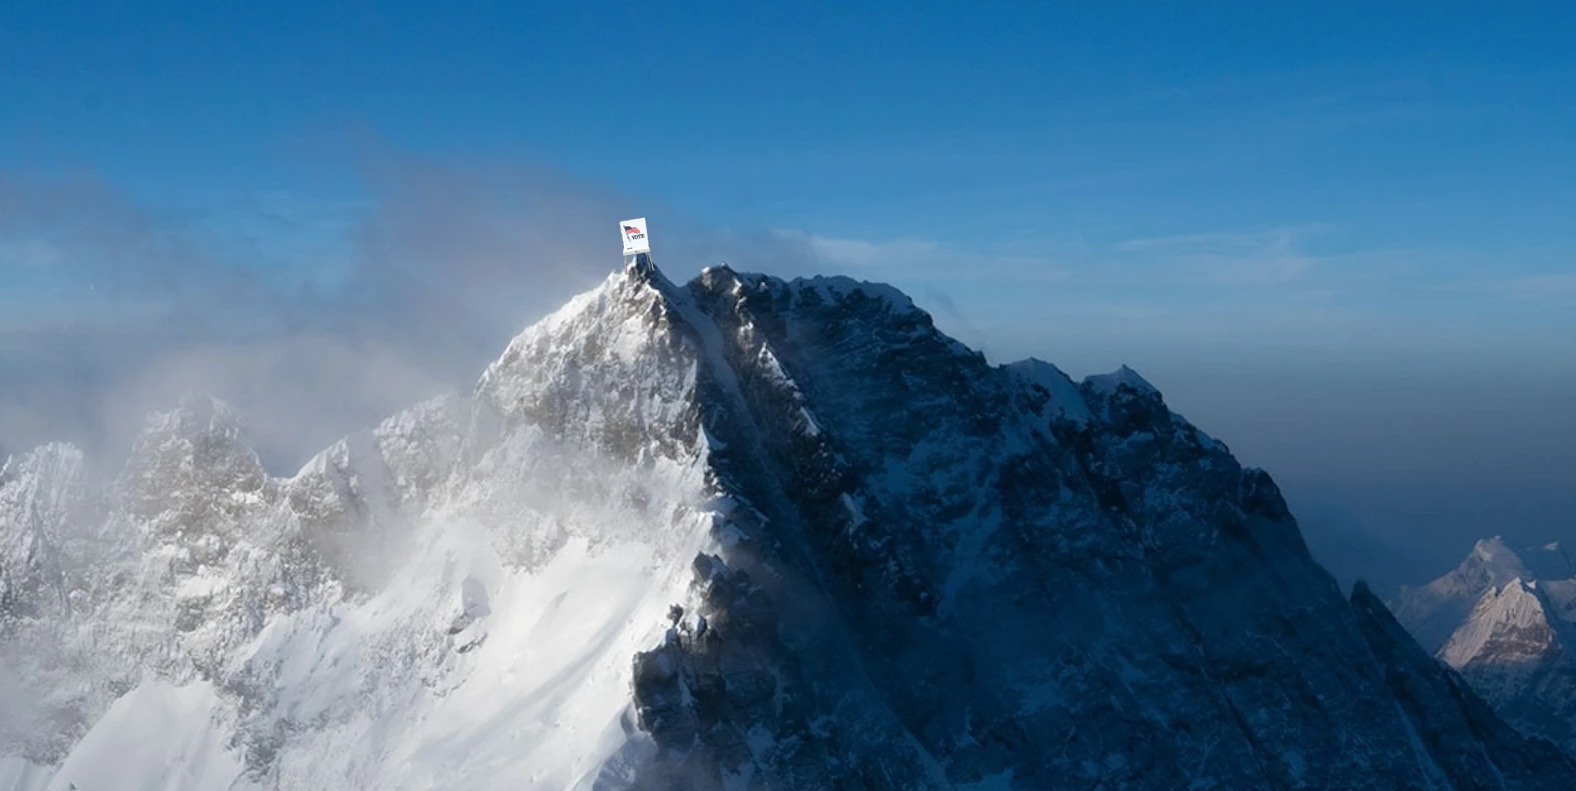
[[635, 238]]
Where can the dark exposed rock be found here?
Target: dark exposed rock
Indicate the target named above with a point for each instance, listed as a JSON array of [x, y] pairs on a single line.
[[1013, 589]]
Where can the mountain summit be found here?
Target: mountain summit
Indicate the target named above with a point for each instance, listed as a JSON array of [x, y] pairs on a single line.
[[1506, 619], [740, 533]]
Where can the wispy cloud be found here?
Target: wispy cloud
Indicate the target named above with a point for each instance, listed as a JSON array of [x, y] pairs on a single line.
[[440, 266], [1219, 242], [1246, 258], [1560, 286], [862, 253], [916, 261], [16, 254]]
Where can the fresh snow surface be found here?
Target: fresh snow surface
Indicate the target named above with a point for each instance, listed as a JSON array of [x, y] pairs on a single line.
[[540, 702], [517, 568], [572, 559], [155, 737], [20, 774]]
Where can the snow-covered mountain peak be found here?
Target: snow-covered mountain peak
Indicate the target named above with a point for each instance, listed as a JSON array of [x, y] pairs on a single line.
[[1495, 561], [1433, 611], [1503, 618], [616, 370], [195, 424], [740, 533], [1123, 376], [189, 458], [1509, 624], [193, 416], [634, 289], [1066, 400]]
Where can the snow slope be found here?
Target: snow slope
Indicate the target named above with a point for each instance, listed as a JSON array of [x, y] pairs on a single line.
[[460, 583], [152, 738], [740, 533], [1509, 624]]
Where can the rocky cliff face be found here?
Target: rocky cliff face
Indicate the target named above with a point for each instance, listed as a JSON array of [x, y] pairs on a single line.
[[742, 533], [1510, 623]]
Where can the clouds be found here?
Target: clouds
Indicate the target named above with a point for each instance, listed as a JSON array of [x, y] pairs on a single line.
[[33, 254], [115, 308], [1555, 287], [318, 316], [496, 244], [1260, 257], [76, 231], [314, 316], [1291, 257], [861, 253]]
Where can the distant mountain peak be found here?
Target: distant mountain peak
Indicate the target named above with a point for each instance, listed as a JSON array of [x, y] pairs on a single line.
[[1508, 624], [1434, 611], [1503, 618], [1495, 561]]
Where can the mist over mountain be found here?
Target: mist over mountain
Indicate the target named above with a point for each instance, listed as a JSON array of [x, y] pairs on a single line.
[[738, 533]]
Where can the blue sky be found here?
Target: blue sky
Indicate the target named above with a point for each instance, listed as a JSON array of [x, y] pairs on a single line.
[[1338, 235]]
